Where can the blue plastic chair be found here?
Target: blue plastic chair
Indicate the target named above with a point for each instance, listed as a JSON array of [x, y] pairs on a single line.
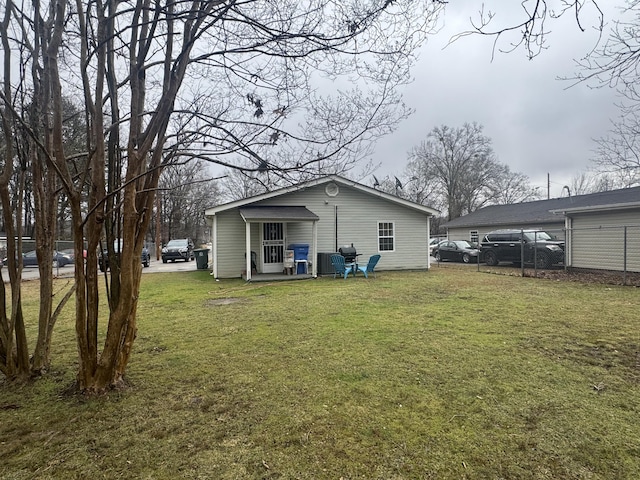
[[340, 267], [370, 266]]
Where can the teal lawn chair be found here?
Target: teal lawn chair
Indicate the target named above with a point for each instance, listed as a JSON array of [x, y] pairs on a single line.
[[370, 266], [340, 267]]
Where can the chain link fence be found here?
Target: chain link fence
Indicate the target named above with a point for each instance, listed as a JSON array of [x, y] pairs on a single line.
[[602, 254]]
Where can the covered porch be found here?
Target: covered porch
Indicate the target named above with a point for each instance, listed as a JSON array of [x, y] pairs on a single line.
[[269, 231]]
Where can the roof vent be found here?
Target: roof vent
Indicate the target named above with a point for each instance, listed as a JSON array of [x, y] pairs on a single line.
[[331, 189]]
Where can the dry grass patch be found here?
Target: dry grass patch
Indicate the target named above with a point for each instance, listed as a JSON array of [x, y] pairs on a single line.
[[445, 374]]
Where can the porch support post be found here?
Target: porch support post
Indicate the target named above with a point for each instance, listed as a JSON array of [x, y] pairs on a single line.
[[314, 248], [248, 249], [214, 247], [568, 240], [429, 238]]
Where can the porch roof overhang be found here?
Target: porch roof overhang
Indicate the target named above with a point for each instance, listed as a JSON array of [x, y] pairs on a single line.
[[277, 214]]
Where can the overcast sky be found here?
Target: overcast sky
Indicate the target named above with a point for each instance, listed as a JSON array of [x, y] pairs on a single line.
[[538, 124]]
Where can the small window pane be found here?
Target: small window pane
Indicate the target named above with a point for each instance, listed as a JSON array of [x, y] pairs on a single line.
[[385, 236]]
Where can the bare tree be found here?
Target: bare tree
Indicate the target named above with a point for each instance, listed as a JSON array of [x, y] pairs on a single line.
[[238, 184], [532, 30], [462, 164], [592, 182], [617, 154], [455, 170], [511, 187], [185, 191], [32, 123]]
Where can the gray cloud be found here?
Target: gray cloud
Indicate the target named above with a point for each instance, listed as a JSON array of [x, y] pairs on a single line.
[[539, 125]]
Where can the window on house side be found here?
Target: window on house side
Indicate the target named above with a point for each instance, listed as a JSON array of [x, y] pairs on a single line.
[[386, 240], [473, 236]]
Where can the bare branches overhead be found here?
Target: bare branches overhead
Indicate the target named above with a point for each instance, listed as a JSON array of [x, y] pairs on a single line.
[[533, 28]]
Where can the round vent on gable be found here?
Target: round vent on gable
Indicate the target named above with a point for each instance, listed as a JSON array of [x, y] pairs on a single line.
[[331, 189]]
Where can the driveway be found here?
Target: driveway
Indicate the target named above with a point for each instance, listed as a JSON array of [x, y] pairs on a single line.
[[32, 273]]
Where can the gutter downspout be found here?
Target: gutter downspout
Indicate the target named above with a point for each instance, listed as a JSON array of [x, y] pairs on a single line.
[[335, 219]]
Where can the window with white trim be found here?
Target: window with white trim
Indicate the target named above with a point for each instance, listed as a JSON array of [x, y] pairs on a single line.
[[386, 238], [473, 236]]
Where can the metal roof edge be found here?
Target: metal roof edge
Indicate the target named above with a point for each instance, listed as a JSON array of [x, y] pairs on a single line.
[[596, 208]]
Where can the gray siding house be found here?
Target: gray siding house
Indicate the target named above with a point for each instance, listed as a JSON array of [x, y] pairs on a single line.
[[325, 214], [601, 230]]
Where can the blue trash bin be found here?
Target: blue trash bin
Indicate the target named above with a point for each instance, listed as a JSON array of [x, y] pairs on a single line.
[[300, 252]]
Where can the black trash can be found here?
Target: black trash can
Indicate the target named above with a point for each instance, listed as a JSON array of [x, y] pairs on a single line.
[[202, 258]]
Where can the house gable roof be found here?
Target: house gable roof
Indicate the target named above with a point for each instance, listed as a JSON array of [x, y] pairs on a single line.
[[338, 180], [546, 211]]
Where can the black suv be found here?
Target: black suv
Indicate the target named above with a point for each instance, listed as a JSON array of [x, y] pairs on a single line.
[[178, 249], [538, 247], [103, 256]]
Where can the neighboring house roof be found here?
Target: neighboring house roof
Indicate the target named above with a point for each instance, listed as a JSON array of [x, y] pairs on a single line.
[[612, 200], [546, 211], [336, 179]]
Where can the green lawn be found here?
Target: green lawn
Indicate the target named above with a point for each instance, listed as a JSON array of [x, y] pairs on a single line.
[[447, 374]]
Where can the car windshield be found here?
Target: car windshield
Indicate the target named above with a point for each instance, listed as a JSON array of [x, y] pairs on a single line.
[[541, 236], [177, 243], [463, 244]]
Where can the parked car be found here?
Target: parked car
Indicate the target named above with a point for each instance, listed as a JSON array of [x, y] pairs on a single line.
[[433, 244], [103, 256], [29, 259], [178, 249], [457, 251], [71, 253], [508, 246]]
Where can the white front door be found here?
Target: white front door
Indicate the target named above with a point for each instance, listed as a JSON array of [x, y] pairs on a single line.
[[272, 247]]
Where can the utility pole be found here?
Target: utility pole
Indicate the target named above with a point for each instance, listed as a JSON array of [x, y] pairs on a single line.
[[548, 186]]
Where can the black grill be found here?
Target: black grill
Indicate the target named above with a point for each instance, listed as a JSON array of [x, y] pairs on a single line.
[[349, 253]]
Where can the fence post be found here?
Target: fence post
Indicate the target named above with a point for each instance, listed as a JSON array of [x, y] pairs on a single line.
[[522, 253], [624, 256]]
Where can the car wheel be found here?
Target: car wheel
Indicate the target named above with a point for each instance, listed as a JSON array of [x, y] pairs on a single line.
[[145, 263], [438, 256], [543, 260], [466, 258], [491, 259]]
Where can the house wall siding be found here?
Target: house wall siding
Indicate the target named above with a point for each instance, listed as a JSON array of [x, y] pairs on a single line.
[[597, 240], [231, 246], [358, 214]]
